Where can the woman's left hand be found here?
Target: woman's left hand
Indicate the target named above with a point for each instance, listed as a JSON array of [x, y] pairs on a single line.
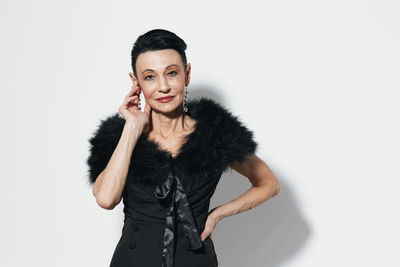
[[211, 223]]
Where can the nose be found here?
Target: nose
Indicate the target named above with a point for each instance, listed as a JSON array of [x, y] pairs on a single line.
[[164, 86]]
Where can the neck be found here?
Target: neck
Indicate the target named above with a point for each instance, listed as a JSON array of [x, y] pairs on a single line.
[[165, 125]]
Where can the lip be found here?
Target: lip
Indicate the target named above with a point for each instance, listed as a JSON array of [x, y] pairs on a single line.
[[165, 98]]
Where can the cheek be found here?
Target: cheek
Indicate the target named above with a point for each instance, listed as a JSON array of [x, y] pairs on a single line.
[[178, 85], [148, 90]]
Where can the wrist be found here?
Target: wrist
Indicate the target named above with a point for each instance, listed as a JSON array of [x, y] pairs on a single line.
[[133, 127], [216, 215]]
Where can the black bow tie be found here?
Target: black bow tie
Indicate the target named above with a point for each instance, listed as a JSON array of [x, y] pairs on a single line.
[[173, 186]]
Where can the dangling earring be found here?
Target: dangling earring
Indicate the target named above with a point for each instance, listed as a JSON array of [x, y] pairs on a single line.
[[139, 103], [185, 108]]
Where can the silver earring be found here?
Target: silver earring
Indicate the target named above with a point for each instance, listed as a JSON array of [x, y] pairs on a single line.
[[185, 108], [139, 103]]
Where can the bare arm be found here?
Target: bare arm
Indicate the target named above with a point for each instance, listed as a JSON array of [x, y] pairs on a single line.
[[264, 186], [110, 183]]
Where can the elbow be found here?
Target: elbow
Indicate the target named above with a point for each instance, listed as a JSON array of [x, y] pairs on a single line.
[[271, 186], [277, 186], [105, 204]]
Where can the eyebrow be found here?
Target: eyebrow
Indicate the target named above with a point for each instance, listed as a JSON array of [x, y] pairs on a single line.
[[165, 68]]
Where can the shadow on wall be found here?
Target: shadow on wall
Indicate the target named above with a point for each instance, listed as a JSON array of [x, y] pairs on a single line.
[[267, 235]]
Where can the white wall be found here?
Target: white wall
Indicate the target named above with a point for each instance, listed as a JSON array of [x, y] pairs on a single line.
[[318, 82]]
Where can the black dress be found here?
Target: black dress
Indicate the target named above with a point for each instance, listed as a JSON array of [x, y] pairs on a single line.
[[166, 199]]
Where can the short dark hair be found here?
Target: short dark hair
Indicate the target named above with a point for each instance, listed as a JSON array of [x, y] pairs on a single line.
[[158, 39]]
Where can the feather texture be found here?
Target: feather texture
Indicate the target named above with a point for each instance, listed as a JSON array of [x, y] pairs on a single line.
[[219, 139]]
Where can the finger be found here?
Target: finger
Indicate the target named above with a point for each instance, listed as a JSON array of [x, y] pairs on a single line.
[[134, 90], [129, 106], [133, 108], [204, 235], [132, 99]]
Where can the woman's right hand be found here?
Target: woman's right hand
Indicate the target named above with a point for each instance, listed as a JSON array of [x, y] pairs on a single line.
[[130, 108]]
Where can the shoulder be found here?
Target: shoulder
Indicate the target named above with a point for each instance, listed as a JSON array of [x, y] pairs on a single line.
[[228, 137], [218, 117], [212, 113]]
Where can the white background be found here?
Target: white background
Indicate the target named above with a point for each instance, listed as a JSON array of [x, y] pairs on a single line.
[[317, 81]]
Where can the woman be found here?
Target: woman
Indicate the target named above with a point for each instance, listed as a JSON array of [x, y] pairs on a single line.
[[166, 161]]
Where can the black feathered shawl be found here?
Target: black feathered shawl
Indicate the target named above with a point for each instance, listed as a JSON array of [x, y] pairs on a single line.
[[219, 139]]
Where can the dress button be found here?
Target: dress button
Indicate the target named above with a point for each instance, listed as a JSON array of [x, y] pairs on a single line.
[[132, 244], [135, 226]]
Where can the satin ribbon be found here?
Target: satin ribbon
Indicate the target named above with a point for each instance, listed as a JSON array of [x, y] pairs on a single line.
[[173, 186]]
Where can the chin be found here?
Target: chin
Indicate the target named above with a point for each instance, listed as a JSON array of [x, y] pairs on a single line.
[[166, 108]]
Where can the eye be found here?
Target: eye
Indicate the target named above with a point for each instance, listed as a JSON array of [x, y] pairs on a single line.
[[147, 77], [173, 72]]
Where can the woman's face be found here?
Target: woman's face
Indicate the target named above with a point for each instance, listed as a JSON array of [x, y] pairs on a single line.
[[161, 73]]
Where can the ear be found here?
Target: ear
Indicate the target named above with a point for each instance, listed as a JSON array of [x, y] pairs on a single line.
[[187, 77], [132, 76]]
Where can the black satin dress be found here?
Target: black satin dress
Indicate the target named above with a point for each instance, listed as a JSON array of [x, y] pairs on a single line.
[[166, 199], [163, 227]]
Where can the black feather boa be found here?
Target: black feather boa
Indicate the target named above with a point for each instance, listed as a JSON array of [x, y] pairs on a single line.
[[219, 139]]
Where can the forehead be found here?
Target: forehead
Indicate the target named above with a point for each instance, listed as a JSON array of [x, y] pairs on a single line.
[[158, 59]]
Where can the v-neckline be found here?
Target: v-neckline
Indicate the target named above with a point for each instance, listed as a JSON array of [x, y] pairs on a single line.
[[182, 148]]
